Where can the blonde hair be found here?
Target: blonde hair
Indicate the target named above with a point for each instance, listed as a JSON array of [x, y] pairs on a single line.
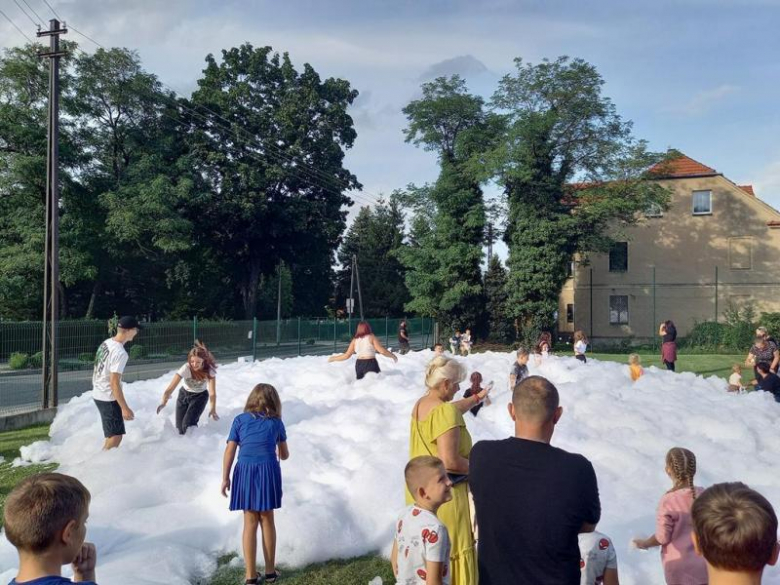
[[737, 368], [443, 368], [634, 358], [42, 505], [418, 470], [264, 399], [579, 335], [682, 463]]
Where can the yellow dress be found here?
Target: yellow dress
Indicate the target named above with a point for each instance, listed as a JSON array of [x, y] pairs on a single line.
[[454, 514]]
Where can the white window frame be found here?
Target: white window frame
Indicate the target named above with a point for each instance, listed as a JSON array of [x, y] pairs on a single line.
[[654, 210], [693, 202], [628, 310]]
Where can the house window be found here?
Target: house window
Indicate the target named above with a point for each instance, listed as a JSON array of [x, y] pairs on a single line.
[[702, 202], [570, 269], [741, 253], [618, 309], [570, 313], [618, 257], [654, 210]]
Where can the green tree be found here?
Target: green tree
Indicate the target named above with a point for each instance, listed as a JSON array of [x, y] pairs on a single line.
[[268, 303], [558, 129], [500, 327], [445, 252], [264, 202]]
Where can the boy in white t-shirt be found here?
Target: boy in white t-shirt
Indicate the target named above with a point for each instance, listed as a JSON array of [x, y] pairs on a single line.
[[421, 549], [598, 560], [110, 362], [735, 379]]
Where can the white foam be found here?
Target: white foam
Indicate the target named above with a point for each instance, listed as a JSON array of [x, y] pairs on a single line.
[[157, 515]]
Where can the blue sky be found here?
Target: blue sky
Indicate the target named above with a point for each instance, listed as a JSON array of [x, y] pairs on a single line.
[[703, 77]]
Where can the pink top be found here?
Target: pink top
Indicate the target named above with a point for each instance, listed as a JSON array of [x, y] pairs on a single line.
[[673, 527]]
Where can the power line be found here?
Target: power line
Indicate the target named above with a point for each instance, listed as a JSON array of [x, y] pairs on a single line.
[[21, 32], [35, 24], [33, 11], [52, 9]]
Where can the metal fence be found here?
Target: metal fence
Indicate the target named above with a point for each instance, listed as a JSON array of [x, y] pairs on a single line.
[[163, 346]]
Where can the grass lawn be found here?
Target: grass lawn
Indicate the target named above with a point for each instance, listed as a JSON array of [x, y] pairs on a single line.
[[704, 364]]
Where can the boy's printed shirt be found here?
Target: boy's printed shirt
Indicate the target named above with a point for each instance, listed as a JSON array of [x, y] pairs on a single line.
[[596, 556], [420, 536]]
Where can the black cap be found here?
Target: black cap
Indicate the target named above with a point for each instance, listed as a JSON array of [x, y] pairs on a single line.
[[129, 323]]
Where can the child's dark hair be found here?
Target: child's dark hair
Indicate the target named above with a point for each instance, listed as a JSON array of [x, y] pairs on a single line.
[[735, 527], [682, 464], [42, 505], [476, 383], [264, 399], [579, 335], [763, 367]]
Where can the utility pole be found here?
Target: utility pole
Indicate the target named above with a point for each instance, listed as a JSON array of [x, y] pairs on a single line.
[[351, 299], [357, 276], [51, 278]]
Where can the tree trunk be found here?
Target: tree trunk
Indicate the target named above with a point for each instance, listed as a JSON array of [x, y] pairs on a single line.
[[249, 292], [63, 301], [92, 298]]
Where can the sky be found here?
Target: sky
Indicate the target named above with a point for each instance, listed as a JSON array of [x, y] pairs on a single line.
[[699, 76]]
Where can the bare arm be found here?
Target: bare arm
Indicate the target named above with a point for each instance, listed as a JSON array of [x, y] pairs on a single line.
[[394, 558], [213, 398], [611, 577], [380, 349], [448, 444], [168, 391], [116, 390], [466, 404], [227, 463], [775, 361], [644, 544], [433, 571], [284, 451], [750, 359], [344, 356]]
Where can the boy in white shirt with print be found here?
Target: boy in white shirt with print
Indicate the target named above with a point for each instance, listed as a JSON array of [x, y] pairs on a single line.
[[598, 560], [421, 549]]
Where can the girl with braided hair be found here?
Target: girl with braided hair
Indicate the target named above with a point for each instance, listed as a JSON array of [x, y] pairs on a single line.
[[682, 566]]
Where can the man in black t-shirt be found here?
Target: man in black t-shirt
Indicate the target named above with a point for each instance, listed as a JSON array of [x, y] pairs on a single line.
[[769, 382], [403, 337], [532, 499]]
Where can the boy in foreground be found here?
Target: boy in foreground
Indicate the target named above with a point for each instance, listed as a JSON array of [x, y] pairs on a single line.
[[735, 530], [421, 549], [45, 518]]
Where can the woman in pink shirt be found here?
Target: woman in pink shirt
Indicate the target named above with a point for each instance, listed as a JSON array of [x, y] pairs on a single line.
[[673, 527]]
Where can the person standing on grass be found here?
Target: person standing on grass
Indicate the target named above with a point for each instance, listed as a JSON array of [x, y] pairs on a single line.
[[403, 337], [668, 333], [199, 372], [110, 362]]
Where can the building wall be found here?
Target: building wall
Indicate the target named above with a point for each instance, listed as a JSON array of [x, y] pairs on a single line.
[[681, 252]]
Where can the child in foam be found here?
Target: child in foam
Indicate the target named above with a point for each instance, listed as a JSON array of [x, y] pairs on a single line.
[[421, 549], [519, 368], [199, 372], [261, 439], [476, 388], [735, 379], [635, 366], [682, 566], [598, 560], [45, 518], [465, 343], [580, 346]]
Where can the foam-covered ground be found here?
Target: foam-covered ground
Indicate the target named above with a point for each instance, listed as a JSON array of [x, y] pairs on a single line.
[[157, 515]]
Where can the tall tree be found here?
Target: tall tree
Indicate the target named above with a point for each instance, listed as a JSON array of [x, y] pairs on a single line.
[[274, 163], [559, 129], [443, 260], [500, 326]]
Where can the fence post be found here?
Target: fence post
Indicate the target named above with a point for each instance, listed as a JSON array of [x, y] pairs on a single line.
[[591, 303], [652, 327], [318, 329], [716, 294], [387, 330], [194, 329], [254, 339], [335, 347], [299, 336]]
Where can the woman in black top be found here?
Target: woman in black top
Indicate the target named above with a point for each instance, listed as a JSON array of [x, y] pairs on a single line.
[[668, 333]]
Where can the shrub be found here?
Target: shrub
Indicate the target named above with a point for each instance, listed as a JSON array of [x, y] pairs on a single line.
[[772, 323], [36, 360], [18, 361], [137, 352], [705, 336], [87, 357]]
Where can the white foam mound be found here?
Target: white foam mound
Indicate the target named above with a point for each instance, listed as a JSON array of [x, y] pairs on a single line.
[[157, 515]]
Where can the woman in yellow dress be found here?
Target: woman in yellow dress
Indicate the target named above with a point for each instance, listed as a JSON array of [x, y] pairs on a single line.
[[438, 429]]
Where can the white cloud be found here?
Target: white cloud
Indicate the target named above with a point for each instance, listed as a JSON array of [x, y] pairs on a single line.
[[705, 100]]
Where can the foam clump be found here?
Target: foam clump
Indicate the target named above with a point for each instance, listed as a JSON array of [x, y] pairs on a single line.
[[157, 515]]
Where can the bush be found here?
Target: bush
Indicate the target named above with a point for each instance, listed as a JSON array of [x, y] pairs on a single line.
[[36, 360], [87, 357], [18, 361], [772, 323], [705, 336], [137, 352]]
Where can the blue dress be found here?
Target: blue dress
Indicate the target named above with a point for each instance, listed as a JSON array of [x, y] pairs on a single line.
[[257, 476]]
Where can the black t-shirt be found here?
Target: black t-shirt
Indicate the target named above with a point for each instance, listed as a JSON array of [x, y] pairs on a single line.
[[771, 383], [403, 335], [531, 501], [520, 372]]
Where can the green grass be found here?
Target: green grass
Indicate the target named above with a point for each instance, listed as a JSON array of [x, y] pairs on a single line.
[[10, 442], [703, 364], [356, 571]]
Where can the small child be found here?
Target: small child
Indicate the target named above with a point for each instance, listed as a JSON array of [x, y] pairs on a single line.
[[635, 366], [465, 343], [735, 379], [735, 530], [421, 549], [519, 368], [455, 342], [45, 518], [438, 349], [580, 345], [257, 478], [476, 388], [598, 560], [543, 347], [674, 524]]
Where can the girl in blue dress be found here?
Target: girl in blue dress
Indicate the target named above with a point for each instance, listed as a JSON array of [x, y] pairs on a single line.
[[257, 478]]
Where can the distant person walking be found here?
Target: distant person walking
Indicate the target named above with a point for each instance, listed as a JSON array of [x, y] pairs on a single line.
[[110, 362], [403, 337], [366, 346], [668, 333]]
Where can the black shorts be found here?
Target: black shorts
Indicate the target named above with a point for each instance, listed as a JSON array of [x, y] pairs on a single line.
[[111, 415], [362, 367], [581, 357]]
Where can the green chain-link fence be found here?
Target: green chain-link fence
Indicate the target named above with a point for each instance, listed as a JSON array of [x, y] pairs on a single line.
[[163, 346]]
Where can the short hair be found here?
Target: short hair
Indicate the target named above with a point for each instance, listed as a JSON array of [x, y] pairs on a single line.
[[735, 526], [763, 367], [443, 368], [522, 350], [633, 358], [736, 368], [417, 471], [761, 332], [40, 506], [535, 398]]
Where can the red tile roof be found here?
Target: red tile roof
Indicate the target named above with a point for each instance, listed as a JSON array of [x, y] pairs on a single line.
[[748, 189], [682, 166]]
